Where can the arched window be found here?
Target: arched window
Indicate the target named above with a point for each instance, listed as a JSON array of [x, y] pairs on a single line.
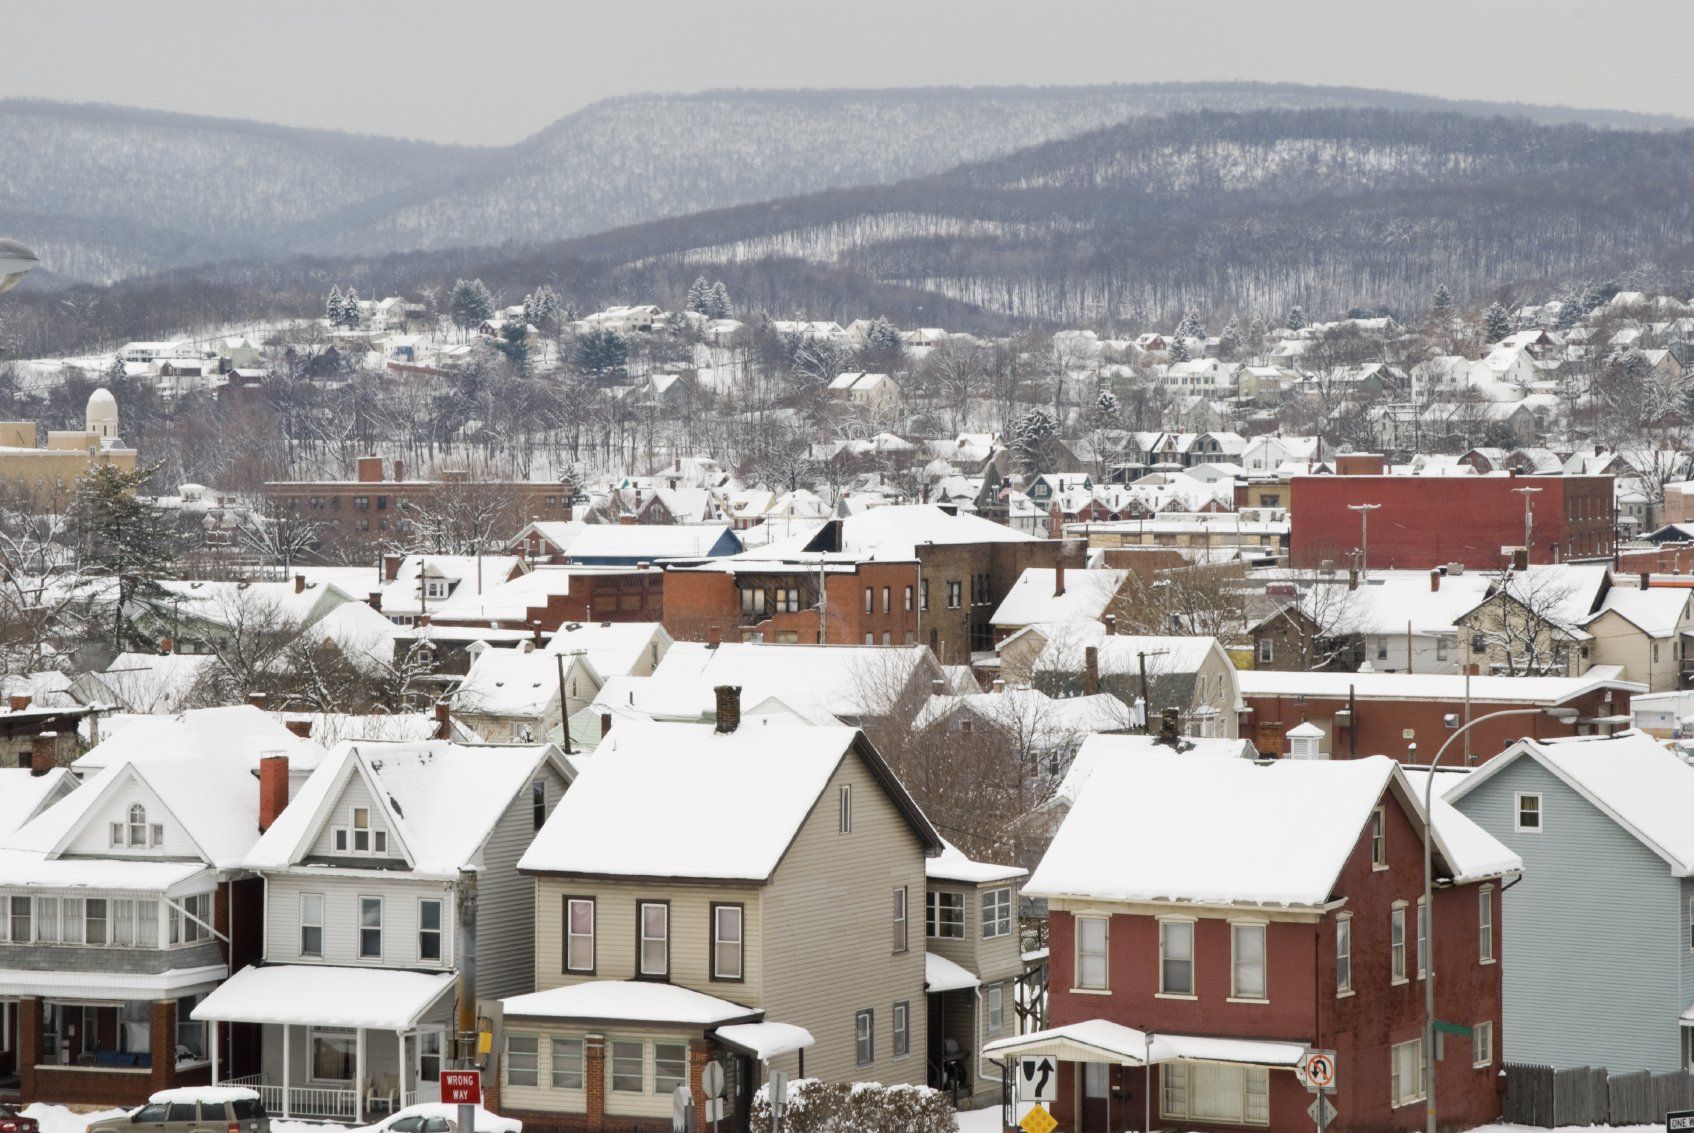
[[137, 825]]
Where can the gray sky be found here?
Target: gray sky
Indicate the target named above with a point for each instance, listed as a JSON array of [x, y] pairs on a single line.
[[459, 71]]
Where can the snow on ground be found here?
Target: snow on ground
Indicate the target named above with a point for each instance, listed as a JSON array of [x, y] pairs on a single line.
[[59, 1119], [988, 1121]]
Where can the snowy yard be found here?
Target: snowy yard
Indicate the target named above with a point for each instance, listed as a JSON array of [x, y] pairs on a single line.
[[988, 1121]]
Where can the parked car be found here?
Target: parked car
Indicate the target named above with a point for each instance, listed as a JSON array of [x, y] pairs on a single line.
[[193, 1109], [440, 1117], [11, 1121]]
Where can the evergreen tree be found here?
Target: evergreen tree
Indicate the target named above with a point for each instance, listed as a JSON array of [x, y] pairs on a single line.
[[1257, 332], [125, 538], [699, 296], [717, 302], [1496, 324], [1229, 341], [514, 344], [1190, 326], [1570, 310], [1032, 441], [116, 374], [1178, 351], [350, 309], [1296, 317], [332, 306], [541, 307], [600, 353], [1106, 409], [1441, 306], [883, 348], [471, 303]]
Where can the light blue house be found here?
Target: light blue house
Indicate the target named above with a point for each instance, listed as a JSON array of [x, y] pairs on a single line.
[[1599, 934]]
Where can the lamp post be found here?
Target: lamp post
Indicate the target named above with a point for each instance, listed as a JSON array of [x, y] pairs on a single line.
[[1565, 714], [1364, 511], [1528, 495]]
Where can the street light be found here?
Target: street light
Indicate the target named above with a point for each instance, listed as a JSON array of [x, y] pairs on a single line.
[[15, 261], [1564, 714], [1364, 511]]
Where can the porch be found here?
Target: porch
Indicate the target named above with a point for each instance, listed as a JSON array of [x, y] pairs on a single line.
[[340, 1044]]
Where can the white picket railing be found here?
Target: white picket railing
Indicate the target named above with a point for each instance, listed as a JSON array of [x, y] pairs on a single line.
[[307, 1101]]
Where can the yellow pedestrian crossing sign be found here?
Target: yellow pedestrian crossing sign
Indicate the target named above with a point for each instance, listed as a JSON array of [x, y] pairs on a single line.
[[1038, 1120]]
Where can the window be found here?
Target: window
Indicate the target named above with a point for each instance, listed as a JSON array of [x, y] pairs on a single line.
[[1267, 651], [908, 599], [147, 923], [370, 928], [117, 833], [538, 802], [579, 934], [340, 839], [864, 1037], [332, 1055], [902, 1029], [1482, 1044], [1344, 954], [429, 929], [191, 919], [1442, 645], [628, 1065], [1202, 1091], [955, 594], [670, 1067], [429, 1056], [361, 830], [1247, 979], [1397, 943], [996, 1006], [1091, 968], [923, 594], [870, 600], [1423, 937], [726, 942], [900, 922], [158, 830], [844, 800], [1379, 838], [1529, 813], [1176, 957], [523, 1060], [1485, 924], [122, 931], [137, 825], [888, 605], [997, 912], [20, 918], [944, 916], [1405, 1073], [654, 947], [567, 1060], [311, 924]]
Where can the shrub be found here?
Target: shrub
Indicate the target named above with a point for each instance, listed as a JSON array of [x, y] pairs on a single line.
[[863, 1107]]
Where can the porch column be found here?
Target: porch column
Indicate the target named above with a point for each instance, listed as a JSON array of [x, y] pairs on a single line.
[[400, 1058], [359, 1076], [700, 1052], [214, 1027], [594, 1081], [287, 1042]]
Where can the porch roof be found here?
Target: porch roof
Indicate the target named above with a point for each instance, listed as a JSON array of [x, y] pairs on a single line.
[[764, 1041], [108, 986], [1100, 1040], [942, 974], [321, 995], [629, 1001]]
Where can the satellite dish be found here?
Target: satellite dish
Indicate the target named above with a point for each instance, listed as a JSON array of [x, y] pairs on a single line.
[[15, 261]]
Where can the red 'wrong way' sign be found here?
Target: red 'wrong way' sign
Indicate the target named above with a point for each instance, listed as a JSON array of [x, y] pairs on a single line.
[[461, 1087]]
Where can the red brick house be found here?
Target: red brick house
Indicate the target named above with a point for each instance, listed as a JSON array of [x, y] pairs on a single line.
[[1212, 918]]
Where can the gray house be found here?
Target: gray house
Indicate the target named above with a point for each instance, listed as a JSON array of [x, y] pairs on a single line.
[[1599, 941]]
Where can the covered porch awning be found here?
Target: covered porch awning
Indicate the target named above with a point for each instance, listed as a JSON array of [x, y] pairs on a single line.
[[942, 974], [629, 1001], [325, 996], [108, 986], [1099, 1040], [764, 1041]]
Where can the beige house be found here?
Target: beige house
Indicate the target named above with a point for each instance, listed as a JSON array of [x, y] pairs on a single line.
[[45, 479], [716, 893], [1644, 632], [1534, 622], [974, 965]]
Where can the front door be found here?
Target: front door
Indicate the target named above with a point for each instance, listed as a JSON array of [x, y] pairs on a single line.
[[1096, 1098], [423, 1053]]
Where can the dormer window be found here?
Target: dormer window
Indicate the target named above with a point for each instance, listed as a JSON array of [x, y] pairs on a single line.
[[137, 825], [435, 588], [359, 836]]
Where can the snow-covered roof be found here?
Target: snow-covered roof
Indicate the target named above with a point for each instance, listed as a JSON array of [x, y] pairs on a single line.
[[440, 800], [942, 974], [1109, 747], [210, 1094], [1120, 654], [952, 865], [509, 682], [1099, 1040], [1646, 789], [1088, 594], [1033, 715], [765, 1041], [611, 647], [23, 794], [891, 533], [153, 682], [240, 733], [1656, 611], [322, 995], [653, 801], [34, 869], [628, 1001], [1171, 827], [647, 540], [1431, 686]]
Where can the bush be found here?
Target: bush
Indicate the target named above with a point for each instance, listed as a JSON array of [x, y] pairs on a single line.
[[863, 1107]]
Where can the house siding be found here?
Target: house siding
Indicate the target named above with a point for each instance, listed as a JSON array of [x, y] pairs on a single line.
[[354, 793], [505, 936], [1590, 892], [93, 839], [400, 895]]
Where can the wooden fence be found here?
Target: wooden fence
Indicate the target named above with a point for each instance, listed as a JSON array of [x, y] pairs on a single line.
[[1540, 1095]]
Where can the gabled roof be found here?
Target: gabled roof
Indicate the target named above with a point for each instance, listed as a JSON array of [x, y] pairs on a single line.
[[612, 647], [1448, 687], [1098, 748], [684, 801], [439, 800], [509, 682], [23, 794], [1032, 598], [1655, 611], [952, 865], [1175, 828], [1629, 777], [891, 533], [238, 733]]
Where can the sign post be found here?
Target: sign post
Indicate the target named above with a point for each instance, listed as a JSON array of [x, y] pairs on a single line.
[[1316, 1071], [1679, 1121], [463, 1088], [711, 1084], [779, 1099]]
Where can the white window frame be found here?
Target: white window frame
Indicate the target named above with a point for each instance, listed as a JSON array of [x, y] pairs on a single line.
[[306, 923], [902, 1027], [554, 1062], [1397, 949], [1235, 993], [902, 924], [1540, 812], [1398, 1094], [1343, 955], [1177, 1093], [1379, 838], [1485, 924], [1080, 974], [844, 805], [570, 935], [677, 1078], [361, 928], [997, 912], [642, 940], [1166, 992], [365, 830], [934, 927], [719, 940], [134, 824], [534, 1070], [864, 1037], [439, 932], [612, 1045], [1482, 1045], [994, 1007], [1423, 938]]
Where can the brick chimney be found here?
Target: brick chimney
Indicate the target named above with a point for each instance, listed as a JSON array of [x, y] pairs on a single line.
[[714, 637], [399, 470], [165, 646], [535, 632], [43, 752], [1059, 580], [391, 567], [370, 470], [1111, 621], [729, 707], [299, 584], [1434, 581], [374, 600], [258, 700], [1520, 558], [301, 728], [1170, 727], [273, 787], [1090, 670], [605, 724], [443, 720], [18, 701], [1646, 580]]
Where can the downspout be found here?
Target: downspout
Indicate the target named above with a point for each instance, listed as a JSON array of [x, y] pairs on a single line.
[[981, 1074]]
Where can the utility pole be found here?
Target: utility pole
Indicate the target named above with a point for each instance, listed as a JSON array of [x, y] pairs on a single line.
[[564, 701], [1146, 697], [1364, 511], [1528, 495]]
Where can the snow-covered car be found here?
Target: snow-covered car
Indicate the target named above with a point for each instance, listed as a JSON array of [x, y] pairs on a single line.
[[440, 1117], [192, 1109]]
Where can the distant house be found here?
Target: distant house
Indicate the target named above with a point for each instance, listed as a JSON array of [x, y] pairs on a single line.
[[1191, 674], [872, 391]]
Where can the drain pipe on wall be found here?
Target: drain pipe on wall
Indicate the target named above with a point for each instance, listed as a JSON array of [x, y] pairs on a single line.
[[981, 1074]]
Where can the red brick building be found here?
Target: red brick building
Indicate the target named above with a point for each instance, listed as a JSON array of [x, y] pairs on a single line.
[[1384, 713], [1426, 521], [1217, 917]]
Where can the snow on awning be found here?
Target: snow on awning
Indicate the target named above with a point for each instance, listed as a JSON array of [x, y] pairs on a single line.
[[764, 1041], [320, 995], [941, 974], [629, 1001], [108, 985], [1099, 1040]]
